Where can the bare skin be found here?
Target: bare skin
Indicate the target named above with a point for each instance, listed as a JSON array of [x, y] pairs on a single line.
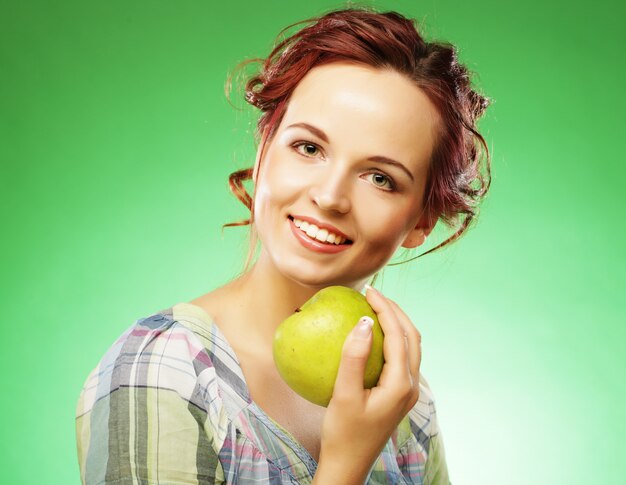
[[338, 179], [301, 418]]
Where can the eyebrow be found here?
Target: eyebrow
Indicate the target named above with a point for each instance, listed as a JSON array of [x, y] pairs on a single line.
[[378, 158]]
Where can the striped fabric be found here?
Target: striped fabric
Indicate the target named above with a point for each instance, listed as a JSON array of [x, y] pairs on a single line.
[[168, 404]]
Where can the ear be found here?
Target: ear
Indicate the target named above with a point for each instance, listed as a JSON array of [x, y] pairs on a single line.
[[419, 233]]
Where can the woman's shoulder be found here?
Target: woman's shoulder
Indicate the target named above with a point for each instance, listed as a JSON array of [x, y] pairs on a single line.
[[411, 447], [154, 404], [420, 424], [178, 349], [424, 412]]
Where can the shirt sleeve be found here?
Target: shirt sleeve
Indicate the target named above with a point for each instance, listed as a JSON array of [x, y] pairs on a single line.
[[436, 472], [436, 468], [421, 456], [142, 415]]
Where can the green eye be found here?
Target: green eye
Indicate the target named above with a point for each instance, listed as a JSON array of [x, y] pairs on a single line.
[[382, 181], [310, 149], [379, 179], [307, 149]]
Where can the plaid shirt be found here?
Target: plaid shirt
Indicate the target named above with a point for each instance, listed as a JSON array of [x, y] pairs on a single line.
[[168, 404]]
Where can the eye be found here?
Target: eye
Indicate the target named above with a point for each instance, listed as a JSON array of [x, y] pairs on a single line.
[[306, 148], [382, 181]]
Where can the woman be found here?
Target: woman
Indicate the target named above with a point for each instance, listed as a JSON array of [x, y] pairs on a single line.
[[367, 138]]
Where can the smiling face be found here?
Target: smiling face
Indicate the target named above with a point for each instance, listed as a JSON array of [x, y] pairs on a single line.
[[347, 164]]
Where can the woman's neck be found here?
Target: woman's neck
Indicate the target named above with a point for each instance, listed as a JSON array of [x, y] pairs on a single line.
[[267, 297], [250, 307]]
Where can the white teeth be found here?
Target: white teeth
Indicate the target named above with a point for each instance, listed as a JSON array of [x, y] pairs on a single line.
[[312, 231], [322, 235]]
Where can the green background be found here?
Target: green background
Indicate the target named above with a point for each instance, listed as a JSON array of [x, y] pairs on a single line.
[[116, 143]]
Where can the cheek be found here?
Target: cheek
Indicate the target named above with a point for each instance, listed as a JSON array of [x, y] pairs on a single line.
[[279, 183], [386, 235], [382, 223], [284, 182]]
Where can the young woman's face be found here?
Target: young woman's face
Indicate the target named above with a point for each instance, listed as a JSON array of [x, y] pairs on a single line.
[[350, 157]]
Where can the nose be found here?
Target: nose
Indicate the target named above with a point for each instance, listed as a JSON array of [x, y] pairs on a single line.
[[330, 192]]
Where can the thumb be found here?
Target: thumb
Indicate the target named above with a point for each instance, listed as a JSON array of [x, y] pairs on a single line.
[[356, 350]]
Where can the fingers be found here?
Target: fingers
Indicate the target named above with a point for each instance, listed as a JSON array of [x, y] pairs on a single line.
[[395, 345], [402, 351], [414, 339], [356, 350], [406, 338]]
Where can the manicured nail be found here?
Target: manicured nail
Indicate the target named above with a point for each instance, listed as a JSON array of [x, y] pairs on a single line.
[[364, 327], [368, 287]]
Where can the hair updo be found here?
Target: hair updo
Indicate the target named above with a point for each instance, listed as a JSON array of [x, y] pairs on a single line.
[[459, 173]]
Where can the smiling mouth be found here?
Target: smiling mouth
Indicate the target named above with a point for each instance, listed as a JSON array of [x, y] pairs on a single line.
[[320, 235]]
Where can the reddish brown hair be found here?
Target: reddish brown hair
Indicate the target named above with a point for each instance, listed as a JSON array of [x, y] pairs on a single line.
[[459, 174]]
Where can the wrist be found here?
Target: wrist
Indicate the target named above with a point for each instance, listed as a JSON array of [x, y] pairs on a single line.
[[339, 472]]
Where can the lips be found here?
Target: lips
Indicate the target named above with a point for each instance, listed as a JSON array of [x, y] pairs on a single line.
[[314, 244], [321, 232]]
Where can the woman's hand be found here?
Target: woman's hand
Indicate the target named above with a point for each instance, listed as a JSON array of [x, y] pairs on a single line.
[[359, 422]]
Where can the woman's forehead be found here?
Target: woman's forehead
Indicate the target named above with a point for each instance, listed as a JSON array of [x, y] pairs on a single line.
[[380, 108]]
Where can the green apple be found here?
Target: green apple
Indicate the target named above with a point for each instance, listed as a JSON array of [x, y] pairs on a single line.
[[307, 345]]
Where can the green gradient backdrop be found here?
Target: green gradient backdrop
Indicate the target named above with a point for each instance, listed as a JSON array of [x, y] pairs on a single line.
[[116, 142]]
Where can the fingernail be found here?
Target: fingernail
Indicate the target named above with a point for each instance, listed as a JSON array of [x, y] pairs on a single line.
[[368, 287], [364, 327]]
